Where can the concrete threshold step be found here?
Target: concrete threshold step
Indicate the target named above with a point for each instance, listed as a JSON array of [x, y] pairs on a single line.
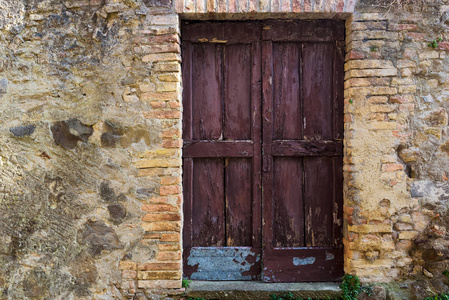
[[256, 290]]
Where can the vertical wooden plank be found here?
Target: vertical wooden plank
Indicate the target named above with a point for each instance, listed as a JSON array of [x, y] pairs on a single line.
[[338, 90], [237, 104], [187, 90], [338, 132], [286, 96], [338, 201], [238, 202], [208, 228], [187, 181], [317, 91], [267, 128], [206, 92], [318, 201], [256, 137], [288, 204]]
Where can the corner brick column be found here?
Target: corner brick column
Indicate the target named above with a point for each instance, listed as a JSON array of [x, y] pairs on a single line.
[[382, 219], [159, 48]]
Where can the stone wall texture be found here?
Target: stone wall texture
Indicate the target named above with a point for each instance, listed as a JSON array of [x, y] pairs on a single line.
[[90, 135]]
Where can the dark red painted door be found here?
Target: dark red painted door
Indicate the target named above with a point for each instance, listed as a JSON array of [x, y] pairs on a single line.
[[263, 145], [302, 150], [222, 151]]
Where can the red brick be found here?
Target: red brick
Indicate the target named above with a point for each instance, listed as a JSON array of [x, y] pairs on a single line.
[[392, 167], [355, 55], [402, 99], [159, 208], [169, 247], [174, 104], [232, 4], [159, 200], [165, 38], [162, 48], [416, 36], [159, 275], [159, 284], [151, 96], [401, 27], [161, 217], [172, 143], [170, 237], [443, 45], [158, 104], [171, 133], [162, 226], [407, 107], [169, 190], [166, 114], [159, 266], [170, 180], [349, 210], [164, 256], [152, 236]]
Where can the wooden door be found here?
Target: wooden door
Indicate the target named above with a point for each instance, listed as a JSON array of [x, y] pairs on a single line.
[[302, 150], [263, 138], [222, 151]]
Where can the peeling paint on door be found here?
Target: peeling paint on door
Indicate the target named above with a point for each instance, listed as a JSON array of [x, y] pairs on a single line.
[[232, 263]]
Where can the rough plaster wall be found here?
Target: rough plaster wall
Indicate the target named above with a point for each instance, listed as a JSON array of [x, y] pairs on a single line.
[[71, 130]]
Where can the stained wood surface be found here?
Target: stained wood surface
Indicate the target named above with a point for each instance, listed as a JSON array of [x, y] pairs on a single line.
[[263, 108], [302, 125], [222, 152], [303, 30]]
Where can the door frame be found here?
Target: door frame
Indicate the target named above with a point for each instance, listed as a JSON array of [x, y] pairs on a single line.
[[260, 116]]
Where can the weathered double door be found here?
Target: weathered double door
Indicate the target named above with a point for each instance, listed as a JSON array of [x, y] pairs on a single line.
[[262, 130]]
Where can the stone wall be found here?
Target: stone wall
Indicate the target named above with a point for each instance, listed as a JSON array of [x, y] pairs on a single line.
[[90, 128], [90, 188]]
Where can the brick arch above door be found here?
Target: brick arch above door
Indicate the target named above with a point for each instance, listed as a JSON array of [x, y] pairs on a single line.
[[264, 6]]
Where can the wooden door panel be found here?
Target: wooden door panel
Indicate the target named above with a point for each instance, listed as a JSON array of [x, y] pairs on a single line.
[[318, 199], [302, 153], [288, 205], [221, 78], [237, 102], [206, 85], [238, 201], [318, 91], [287, 123], [207, 210], [302, 264]]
